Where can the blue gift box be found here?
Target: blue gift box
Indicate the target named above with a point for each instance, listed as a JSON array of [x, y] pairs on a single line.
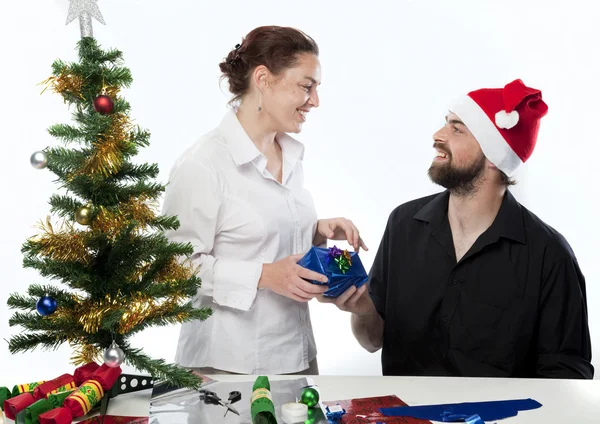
[[323, 261]]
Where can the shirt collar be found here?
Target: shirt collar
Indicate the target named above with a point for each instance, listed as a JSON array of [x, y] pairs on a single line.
[[508, 222], [242, 148]]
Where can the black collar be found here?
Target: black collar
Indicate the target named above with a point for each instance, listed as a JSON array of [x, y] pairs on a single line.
[[508, 222]]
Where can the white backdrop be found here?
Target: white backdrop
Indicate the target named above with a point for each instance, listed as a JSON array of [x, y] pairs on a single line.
[[389, 68]]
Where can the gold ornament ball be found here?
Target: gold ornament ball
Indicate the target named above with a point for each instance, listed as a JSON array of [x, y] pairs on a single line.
[[83, 215]]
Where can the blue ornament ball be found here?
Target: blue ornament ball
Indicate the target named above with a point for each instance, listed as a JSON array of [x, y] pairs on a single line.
[[46, 305]]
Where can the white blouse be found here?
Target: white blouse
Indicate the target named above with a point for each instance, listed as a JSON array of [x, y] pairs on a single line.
[[237, 217]]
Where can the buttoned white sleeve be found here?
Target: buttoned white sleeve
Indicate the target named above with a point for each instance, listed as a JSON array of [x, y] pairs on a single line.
[[195, 196]]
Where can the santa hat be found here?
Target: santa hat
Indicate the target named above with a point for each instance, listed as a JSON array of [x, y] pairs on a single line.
[[505, 122]]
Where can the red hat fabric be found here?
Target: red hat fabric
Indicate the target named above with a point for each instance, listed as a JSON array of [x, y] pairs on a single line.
[[505, 122]]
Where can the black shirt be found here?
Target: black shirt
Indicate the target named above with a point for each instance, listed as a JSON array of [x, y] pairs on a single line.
[[514, 306]]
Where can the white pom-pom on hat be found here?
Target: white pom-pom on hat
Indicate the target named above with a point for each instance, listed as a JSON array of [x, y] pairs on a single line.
[[507, 120]]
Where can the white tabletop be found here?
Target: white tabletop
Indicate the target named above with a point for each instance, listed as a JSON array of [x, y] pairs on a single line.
[[564, 401]]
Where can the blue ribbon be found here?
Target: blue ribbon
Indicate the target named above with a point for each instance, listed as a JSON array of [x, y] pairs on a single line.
[[476, 412]]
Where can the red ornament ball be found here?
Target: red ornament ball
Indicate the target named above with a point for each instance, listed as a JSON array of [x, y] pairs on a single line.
[[104, 104]]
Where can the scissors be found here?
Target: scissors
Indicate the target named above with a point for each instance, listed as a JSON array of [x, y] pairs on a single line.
[[211, 398]]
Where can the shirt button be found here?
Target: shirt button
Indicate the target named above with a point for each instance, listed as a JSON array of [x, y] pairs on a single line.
[[445, 319], [454, 282]]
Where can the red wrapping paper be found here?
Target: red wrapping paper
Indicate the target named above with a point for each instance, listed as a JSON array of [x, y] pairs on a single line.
[[43, 390], [17, 404], [56, 416], [85, 372], [366, 410]]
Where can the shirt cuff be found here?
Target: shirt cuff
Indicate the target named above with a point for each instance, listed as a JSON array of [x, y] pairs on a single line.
[[235, 283], [564, 367]]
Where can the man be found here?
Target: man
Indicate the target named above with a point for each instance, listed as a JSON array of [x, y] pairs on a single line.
[[469, 282]]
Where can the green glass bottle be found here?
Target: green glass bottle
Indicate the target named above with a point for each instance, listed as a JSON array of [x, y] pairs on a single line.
[[261, 406]]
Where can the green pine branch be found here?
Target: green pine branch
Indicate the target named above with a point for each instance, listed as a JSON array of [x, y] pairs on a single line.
[[63, 162], [73, 274], [64, 205], [35, 291], [140, 137], [164, 223], [172, 374], [131, 172], [68, 133], [160, 289], [31, 341], [151, 190], [126, 256], [173, 317], [32, 321]]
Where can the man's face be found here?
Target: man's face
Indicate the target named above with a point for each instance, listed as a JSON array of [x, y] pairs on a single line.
[[459, 162]]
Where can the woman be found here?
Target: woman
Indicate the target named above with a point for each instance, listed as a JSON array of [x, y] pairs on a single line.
[[239, 196]]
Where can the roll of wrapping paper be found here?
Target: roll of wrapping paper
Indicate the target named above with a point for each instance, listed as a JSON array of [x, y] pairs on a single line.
[[63, 383], [5, 394], [17, 404], [25, 388], [84, 373]]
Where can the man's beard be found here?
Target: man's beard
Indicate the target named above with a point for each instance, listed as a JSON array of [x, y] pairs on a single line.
[[459, 181]]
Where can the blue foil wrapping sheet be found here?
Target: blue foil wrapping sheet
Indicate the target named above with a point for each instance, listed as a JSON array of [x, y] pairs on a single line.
[[318, 259], [476, 412]]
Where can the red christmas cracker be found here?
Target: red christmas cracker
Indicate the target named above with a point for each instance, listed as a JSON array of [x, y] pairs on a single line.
[[63, 383], [56, 416], [82, 400], [107, 376], [17, 404], [85, 372]]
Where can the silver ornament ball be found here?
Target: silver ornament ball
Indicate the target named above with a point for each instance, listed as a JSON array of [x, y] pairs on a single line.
[[39, 160], [114, 355]]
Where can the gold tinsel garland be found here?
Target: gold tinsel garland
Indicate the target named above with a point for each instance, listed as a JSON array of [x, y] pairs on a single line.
[[66, 83], [170, 273], [108, 155], [137, 309], [110, 222], [66, 245], [84, 353]]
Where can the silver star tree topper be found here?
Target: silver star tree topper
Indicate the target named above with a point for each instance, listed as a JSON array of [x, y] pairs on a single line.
[[85, 10]]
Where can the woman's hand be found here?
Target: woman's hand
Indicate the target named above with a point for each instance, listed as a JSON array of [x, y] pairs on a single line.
[[338, 229], [286, 278]]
